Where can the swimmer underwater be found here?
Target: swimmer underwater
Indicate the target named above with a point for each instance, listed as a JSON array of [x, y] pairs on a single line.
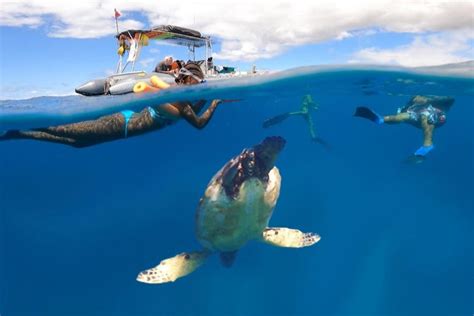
[[307, 105], [424, 112], [126, 123]]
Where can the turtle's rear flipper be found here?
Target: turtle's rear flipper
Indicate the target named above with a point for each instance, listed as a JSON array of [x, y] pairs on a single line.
[[228, 258], [287, 237], [173, 268]]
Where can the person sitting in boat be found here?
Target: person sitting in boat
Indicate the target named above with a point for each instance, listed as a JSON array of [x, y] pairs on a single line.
[[127, 123], [424, 112], [165, 64], [306, 106]]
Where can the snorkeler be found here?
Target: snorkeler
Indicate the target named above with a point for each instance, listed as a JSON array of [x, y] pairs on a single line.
[[424, 112], [306, 105], [126, 123]]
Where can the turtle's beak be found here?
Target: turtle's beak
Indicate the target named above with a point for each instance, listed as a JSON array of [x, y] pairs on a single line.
[[269, 149]]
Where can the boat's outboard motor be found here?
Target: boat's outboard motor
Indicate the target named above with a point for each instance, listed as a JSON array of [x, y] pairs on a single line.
[[93, 87]]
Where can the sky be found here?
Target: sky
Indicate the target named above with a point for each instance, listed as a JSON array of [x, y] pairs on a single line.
[[48, 47]]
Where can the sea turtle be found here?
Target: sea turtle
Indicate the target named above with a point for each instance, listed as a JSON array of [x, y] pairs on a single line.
[[236, 207]]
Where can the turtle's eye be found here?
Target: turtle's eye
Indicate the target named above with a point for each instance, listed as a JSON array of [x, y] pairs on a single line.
[[187, 256]]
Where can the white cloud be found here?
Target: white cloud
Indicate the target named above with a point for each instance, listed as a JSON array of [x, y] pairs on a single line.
[[425, 50], [247, 29]]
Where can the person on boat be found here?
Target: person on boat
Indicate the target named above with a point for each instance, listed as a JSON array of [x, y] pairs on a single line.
[[165, 64], [424, 112], [306, 106], [176, 65], [127, 123]]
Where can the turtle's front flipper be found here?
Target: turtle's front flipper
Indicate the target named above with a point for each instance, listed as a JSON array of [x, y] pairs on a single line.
[[173, 268], [287, 237]]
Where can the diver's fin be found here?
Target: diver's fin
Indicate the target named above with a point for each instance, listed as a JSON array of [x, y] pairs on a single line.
[[423, 150], [419, 155], [228, 258], [173, 268], [414, 159], [276, 119], [287, 237], [367, 113], [11, 134]]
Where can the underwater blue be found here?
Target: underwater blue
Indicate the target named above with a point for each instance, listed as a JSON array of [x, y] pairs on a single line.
[[77, 225]]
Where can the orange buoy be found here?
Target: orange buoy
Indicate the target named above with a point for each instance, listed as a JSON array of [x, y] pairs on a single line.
[[141, 86], [158, 83]]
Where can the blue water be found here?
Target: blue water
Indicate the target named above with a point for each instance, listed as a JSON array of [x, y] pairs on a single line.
[[77, 225]]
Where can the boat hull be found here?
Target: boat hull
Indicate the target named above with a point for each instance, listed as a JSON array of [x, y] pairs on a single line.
[[119, 84]]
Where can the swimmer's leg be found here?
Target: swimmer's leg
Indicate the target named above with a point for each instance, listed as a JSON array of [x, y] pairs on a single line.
[[398, 118], [78, 135], [367, 113], [420, 153], [38, 135], [107, 127], [312, 132], [427, 131]]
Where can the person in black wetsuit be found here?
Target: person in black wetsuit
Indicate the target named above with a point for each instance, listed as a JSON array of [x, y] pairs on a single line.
[[424, 112], [126, 123]]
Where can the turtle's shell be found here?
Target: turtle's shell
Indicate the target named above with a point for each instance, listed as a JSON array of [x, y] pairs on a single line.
[[240, 198]]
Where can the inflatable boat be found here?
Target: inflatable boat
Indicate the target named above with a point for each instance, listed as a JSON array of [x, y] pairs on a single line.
[[130, 44]]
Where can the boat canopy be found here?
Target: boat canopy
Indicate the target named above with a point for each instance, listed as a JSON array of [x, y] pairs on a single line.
[[133, 41], [170, 33]]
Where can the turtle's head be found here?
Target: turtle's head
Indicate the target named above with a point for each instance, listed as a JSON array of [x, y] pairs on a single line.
[[253, 163], [267, 152], [256, 162]]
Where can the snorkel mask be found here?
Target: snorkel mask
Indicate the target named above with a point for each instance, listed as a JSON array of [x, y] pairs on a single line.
[[183, 73]]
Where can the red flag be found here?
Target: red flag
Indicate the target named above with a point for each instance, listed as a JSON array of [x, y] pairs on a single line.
[[117, 13]]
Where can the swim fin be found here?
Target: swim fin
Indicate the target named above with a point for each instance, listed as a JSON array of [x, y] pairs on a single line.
[[275, 120], [322, 142], [423, 150], [367, 113], [419, 155], [11, 134]]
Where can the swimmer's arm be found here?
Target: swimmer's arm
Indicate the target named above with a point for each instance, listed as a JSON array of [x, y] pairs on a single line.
[[167, 108], [199, 104], [201, 121], [175, 109]]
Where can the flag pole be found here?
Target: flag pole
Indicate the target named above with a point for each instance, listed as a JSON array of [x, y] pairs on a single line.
[[119, 66], [116, 20]]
